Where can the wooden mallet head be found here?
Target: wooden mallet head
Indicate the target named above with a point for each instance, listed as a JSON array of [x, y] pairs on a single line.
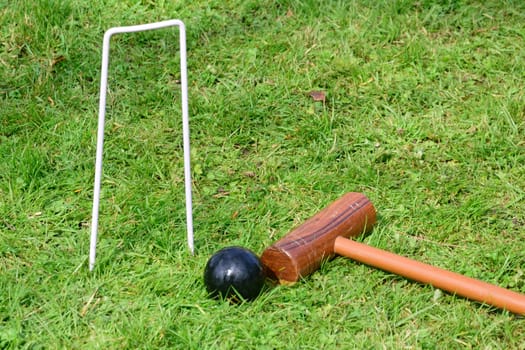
[[302, 251]]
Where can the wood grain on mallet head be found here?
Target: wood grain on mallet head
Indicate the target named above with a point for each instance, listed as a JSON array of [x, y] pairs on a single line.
[[302, 251]]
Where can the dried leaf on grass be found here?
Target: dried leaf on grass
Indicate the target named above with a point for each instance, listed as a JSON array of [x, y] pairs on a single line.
[[318, 95]]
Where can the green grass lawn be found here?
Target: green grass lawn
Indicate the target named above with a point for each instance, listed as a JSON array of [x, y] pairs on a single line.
[[424, 113]]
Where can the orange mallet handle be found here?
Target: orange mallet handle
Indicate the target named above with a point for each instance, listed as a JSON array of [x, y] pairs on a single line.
[[446, 280]]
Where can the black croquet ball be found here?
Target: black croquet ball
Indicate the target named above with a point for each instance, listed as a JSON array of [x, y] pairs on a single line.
[[234, 272]]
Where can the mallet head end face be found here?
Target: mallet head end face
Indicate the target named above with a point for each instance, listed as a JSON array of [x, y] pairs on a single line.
[[280, 266]]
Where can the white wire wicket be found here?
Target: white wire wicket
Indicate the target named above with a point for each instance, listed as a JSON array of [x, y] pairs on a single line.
[[101, 121]]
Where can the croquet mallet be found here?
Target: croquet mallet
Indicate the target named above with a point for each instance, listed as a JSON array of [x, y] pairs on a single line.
[[302, 251]]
